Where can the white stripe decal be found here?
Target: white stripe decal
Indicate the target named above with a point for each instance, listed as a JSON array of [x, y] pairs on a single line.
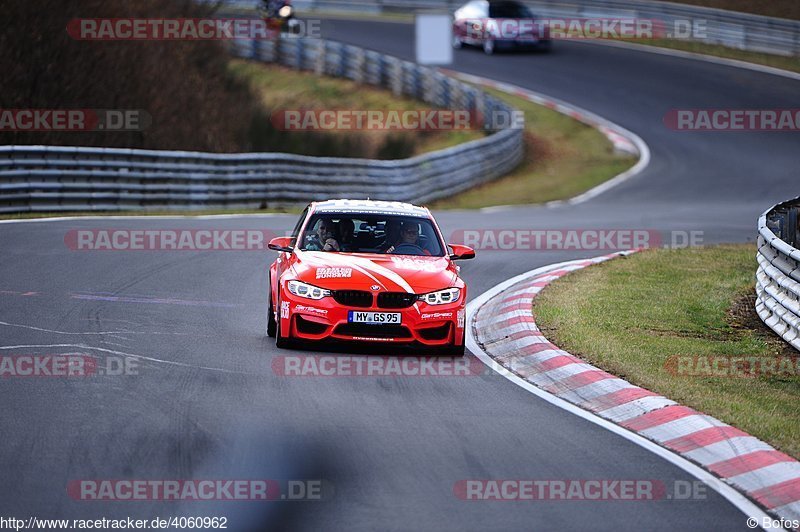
[[727, 449], [767, 476], [636, 408], [681, 427]]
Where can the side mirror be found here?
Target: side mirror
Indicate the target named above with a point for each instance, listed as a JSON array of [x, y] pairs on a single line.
[[461, 252], [282, 243]]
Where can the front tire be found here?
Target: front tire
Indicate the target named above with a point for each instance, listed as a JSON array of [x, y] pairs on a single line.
[[272, 325], [280, 341], [455, 351], [488, 46]]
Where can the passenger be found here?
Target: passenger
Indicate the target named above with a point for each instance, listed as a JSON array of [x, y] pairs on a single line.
[[346, 232]]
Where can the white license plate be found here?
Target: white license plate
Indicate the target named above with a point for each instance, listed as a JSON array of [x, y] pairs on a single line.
[[377, 318]]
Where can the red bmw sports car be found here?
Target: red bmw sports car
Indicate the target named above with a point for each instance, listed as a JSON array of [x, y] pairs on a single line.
[[367, 271]]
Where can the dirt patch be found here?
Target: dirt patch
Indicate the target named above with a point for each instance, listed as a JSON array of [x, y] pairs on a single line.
[[742, 316]]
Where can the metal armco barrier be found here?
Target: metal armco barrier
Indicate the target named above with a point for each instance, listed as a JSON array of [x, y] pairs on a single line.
[[713, 26], [778, 274], [51, 178]]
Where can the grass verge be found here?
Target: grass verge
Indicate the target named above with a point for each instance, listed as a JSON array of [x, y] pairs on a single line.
[[563, 158], [791, 63], [281, 88], [630, 315]]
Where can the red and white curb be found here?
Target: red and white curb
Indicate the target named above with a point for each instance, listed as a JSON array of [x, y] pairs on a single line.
[[503, 334], [624, 141]]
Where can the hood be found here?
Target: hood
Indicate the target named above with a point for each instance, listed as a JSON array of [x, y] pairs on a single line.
[[361, 271]]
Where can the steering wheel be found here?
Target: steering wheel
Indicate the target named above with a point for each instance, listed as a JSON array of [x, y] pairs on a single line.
[[408, 248]]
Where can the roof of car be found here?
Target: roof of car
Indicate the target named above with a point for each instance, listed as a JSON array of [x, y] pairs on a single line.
[[370, 206]]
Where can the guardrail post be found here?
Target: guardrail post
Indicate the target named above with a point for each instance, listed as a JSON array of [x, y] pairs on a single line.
[[396, 73], [319, 59], [343, 61], [360, 65], [299, 49], [790, 228]]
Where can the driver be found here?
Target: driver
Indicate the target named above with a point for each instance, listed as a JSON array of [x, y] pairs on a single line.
[[323, 239], [409, 235]]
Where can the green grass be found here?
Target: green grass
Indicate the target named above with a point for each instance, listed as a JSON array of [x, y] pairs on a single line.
[[282, 88], [630, 315], [772, 8], [563, 158]]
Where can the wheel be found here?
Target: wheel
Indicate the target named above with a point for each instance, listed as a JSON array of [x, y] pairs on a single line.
[[455, 351], [280, 341], [457, 44], [272, 325], [488, 46]]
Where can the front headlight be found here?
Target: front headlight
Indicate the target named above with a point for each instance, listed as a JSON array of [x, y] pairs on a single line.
[[285, 11], [306, 290], [442, 297]]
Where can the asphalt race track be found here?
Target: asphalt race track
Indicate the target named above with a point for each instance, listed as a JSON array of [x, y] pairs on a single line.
[[206, 403]]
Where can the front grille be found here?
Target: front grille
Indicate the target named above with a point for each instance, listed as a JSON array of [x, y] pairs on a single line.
[[396, 299], [353, 298], [372, 331], [435, 333]]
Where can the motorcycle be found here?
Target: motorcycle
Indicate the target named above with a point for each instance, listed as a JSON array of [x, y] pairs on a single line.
[[281, 16]]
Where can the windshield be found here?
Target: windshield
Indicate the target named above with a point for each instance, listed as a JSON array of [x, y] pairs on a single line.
[[509, 10], [373, 233]]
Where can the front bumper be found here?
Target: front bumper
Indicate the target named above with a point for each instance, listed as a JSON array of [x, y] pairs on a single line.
[[521, 44], [327, 320]]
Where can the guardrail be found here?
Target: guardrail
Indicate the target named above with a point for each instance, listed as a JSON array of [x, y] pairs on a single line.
[[778, 274], [713, 26], [49, 178]]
